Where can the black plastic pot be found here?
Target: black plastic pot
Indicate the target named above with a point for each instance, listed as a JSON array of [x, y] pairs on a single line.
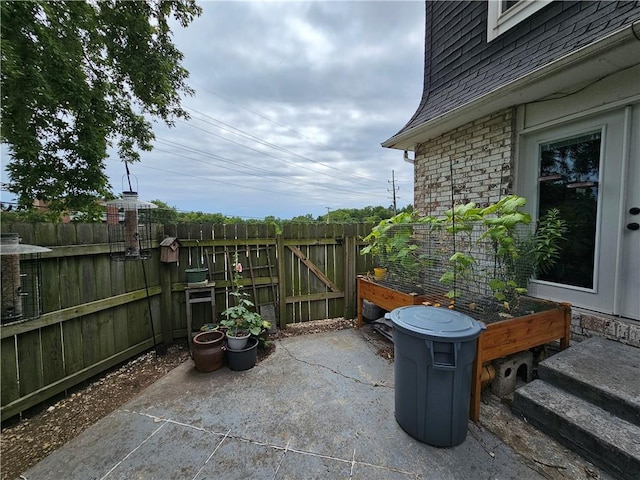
[[244, 359]]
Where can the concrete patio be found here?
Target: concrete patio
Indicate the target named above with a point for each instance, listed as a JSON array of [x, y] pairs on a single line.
[[320, 407]]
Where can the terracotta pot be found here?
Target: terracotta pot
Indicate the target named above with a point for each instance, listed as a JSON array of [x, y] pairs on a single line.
[[208, 353]]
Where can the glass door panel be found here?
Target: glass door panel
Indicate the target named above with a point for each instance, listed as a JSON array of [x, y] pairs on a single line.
[[568, 180]]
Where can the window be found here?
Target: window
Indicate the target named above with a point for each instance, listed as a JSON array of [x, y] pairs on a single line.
[[506, 14], [568, 180]]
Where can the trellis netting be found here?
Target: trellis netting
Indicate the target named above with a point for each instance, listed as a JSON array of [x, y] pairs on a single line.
[[463, 267]]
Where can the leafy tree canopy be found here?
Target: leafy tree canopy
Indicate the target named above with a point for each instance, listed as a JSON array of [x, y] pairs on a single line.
[[77, 77], [169, 214]]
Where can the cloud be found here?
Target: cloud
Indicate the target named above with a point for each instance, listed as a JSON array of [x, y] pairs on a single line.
[[293, 100]]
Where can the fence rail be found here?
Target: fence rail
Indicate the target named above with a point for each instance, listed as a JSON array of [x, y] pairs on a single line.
[[95, 312]]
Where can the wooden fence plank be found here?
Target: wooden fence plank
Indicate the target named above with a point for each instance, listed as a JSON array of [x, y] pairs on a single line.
[[48, 391], [45, 235], [102, 269], [90, 341], [84, 232], [30, 362], [73, 345], [51, 276], [105, 334], [10, 390], [66, 234], [52, 353], [119, 323]]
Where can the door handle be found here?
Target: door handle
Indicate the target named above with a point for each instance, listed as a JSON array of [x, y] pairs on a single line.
[[633, 226]]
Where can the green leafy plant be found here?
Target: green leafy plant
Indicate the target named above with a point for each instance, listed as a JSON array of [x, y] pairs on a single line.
[[394, 245], [241, 319], [518, 253]]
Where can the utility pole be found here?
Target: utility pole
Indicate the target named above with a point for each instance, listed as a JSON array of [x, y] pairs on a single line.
[[393, 190], [328, 210]]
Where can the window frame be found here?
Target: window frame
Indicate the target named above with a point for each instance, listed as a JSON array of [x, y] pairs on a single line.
[[499, 21]]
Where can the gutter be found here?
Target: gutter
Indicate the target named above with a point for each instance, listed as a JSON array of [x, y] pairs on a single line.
[[532, 86]]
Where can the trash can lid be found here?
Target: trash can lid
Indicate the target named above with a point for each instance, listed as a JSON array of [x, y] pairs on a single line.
[[436, 323]]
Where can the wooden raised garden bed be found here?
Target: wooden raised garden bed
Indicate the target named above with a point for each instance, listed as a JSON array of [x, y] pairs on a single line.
[[514, 335], [501, 338], [382, 296]]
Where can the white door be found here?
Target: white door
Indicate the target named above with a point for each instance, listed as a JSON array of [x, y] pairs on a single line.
[[590, 170]]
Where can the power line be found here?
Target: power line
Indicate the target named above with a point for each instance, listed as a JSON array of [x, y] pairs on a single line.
[[242, 133], [248, 169], [342, 178], [264, 142], [260, 115]]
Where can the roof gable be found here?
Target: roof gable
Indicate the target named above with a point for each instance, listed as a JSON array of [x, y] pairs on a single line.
[[461, 66]]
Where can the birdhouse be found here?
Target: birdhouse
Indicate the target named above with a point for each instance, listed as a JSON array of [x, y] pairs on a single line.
[[169, 248], [129, 225], [20, 279]]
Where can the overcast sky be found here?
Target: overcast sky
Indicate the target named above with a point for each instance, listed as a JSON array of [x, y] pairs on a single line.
[[292, 102]]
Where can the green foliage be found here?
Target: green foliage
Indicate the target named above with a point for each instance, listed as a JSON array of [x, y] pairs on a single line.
[[164, 214], [241, 317], [368, 214], [167, 214], [78, 76], [518, 254], [550, 235], [393, 244]]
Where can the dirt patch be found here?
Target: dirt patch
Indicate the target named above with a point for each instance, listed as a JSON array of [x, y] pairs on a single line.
[[44, 429]]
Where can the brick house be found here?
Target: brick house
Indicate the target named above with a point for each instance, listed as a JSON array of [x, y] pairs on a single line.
[[541, 99]]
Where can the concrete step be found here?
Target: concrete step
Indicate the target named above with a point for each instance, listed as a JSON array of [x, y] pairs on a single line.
[[597, 435], [604, 372]]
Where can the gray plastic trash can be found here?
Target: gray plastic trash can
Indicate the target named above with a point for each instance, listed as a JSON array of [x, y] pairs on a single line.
[[434, 350]]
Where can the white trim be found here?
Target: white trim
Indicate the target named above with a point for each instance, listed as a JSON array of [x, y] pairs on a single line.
[[563, 286], [578, 115], [626, 153], [498, 22]]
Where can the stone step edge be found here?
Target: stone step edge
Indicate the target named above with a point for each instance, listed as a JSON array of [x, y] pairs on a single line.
[[619, 454], [622, 406]]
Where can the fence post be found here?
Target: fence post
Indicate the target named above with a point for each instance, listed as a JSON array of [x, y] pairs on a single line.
[[166, 303], [349, 252], [282, 287]]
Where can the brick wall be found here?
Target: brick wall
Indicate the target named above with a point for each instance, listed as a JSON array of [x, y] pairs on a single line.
[[585, 324], [480, 154]]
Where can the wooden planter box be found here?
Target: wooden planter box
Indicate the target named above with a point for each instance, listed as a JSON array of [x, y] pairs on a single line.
[[514, 335], [384, 297], [500, 339]]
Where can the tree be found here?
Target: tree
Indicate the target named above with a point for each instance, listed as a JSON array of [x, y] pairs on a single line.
[[164, 214], [77, 77]]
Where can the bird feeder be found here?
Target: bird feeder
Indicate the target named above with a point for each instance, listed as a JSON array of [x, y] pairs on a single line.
[[129, 224], [20, 279]]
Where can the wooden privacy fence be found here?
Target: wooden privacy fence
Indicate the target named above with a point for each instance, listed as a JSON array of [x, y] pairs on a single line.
[[95, 312]]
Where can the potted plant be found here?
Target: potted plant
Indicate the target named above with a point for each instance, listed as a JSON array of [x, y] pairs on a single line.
[[241, 321], [197, 275]]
